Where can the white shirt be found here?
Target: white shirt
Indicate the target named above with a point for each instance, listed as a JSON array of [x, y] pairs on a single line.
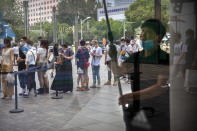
[[179, 49], [119, 49], [106, 51], [96, 60], [16, 52], [31, 56], [133, 48], [42, 52]]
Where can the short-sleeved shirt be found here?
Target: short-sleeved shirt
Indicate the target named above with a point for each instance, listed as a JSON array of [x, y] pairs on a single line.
[[82, 56], [121, 58], [43, 55], [16, 50], [69, 52], [31, 56], [133, 48], [179, 49], [96, 60]]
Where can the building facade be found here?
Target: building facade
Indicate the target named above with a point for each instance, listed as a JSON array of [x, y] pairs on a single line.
[[112, 3], [40, 10]]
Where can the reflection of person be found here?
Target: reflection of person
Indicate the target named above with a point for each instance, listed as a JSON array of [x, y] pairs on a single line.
[[63, 80], [152, 33], [191, 47], [108, 63], [180, 49], [7, 65]]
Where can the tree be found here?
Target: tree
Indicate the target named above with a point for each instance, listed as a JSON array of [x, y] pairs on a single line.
[[67, 9], [12, 14], [141, 10]]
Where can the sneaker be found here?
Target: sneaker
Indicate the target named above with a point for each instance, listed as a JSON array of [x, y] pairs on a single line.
[[21, 94], [108, 83], [115, 84], [26, 95]]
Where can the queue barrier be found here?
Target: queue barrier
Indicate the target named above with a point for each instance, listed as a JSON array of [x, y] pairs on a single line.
[[35, 69]]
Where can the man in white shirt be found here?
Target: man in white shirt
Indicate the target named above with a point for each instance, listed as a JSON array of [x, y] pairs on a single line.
[[122, 51], [30, 65], [134, 46], [96, 54]]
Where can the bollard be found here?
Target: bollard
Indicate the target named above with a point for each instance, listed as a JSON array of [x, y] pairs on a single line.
[[16, 110]]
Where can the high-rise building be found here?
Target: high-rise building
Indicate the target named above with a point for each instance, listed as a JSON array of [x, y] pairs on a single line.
[[112, 3], [40, 10]]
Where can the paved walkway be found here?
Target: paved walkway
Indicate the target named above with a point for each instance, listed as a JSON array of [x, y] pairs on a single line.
[[94, 110]]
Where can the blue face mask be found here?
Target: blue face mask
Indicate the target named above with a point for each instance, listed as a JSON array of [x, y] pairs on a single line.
[[21, 43], [148, 44]]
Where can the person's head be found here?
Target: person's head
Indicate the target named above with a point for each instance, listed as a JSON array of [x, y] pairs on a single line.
[[39, 38], [189, 34], [127, 41], [29, 42], [82, 42], [152, 33], [65, 45], [7, 43], [132, 37], [44, 44], [95, 43], [23, 41], [122, 41]]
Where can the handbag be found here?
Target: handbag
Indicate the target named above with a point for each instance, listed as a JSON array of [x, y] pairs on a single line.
[[10, 79], [190, 82]]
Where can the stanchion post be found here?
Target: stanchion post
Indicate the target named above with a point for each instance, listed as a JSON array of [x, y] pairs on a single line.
[[57, 96], [16, 110]]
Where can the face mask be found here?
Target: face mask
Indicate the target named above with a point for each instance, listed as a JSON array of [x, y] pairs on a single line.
[[148, 44], [21, 43]]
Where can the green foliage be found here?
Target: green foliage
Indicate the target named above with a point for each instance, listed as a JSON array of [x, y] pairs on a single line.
[[98, 30], [67, 9], [142, 10], [11, 12]]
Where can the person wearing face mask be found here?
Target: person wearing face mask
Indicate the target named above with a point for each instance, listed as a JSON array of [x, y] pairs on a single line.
[[152, 33], [122, 51], [23, 49], [134, 46]]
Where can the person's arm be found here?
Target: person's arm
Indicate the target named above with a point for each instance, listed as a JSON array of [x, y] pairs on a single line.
[[12, 57], [37, 58], [68, 57], [152, 91]]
